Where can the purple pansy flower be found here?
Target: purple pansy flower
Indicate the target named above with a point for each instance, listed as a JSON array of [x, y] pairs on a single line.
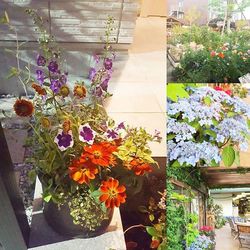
[[55, 86], [64, 140], [108, 63], [53, 67], [40, 76], [41, 61], [112, 134], [86, 134], [92, 72]]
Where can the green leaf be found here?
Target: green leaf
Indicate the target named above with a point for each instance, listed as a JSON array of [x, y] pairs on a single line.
[[228, 156], [32, 175], [214, 164], [248, 123], [175, 164], [47, 197], [237, 158], [195, 124], [231, 114], [176, 90], [210, 132], [207, 100], [170, 136], [215, 122], [152, 231]]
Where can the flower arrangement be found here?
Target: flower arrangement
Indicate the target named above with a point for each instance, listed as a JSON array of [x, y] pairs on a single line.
[[209, 119], [207, 231], [82, 158], [202, 242]]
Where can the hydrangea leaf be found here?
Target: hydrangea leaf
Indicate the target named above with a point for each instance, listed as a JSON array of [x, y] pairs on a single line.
[[214, 164], [231, 114], [248, 123], [207, 100], [176, 90], [210, 132], [170, 136], [237, 158], [228, 156]]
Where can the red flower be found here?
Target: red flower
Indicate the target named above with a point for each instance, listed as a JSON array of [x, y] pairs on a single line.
[[82, 171], [112, 194], [221, 55], [23, 107], [154, 244]]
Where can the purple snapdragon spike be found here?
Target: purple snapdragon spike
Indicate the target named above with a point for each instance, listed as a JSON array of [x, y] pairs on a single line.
[[86, 134], [64, 140], [98, 92], [63, 79], [112, 134], [108, 63], [55, 86], [40, 76], [53, 67], [104, 84], [92, 73], [41, 61]]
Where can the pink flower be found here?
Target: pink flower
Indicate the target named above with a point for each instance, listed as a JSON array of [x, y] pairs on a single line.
[[213, 53]]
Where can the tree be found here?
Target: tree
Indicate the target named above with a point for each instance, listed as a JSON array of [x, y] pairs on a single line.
[[192, 15]]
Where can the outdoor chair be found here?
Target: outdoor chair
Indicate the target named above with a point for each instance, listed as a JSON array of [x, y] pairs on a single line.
[[234, 229], [244, 236]]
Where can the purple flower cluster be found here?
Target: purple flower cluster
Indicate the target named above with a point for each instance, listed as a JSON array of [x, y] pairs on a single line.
[[56, 78], [100, 76]]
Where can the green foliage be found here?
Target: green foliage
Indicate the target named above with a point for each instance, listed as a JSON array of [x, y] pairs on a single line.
[[86, 211], [228, 156], [181, 225], [192, 231], [199, 66], [176, 90]]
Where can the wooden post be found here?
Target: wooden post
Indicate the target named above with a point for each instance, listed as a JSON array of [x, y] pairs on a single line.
[[14, 227]]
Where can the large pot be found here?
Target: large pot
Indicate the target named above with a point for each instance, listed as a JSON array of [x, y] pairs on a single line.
[[62, 222]]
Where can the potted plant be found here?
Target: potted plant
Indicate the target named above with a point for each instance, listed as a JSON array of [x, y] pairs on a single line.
[[83, 159]]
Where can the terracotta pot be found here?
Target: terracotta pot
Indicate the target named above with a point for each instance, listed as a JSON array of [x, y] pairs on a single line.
[[61, 222]]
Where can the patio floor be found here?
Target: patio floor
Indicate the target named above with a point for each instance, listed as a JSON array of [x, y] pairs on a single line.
[[225, 241]]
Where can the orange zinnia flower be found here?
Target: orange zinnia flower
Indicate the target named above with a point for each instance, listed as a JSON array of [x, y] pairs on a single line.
[[112, 194], [221, 55], [82, 171], [139, 167], [23, 107], [100, 154]]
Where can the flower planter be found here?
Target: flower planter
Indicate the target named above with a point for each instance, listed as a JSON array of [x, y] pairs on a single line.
[[61, 221]]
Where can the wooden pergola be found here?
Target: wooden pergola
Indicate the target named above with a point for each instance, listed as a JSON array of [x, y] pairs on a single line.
[[226, 176]]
